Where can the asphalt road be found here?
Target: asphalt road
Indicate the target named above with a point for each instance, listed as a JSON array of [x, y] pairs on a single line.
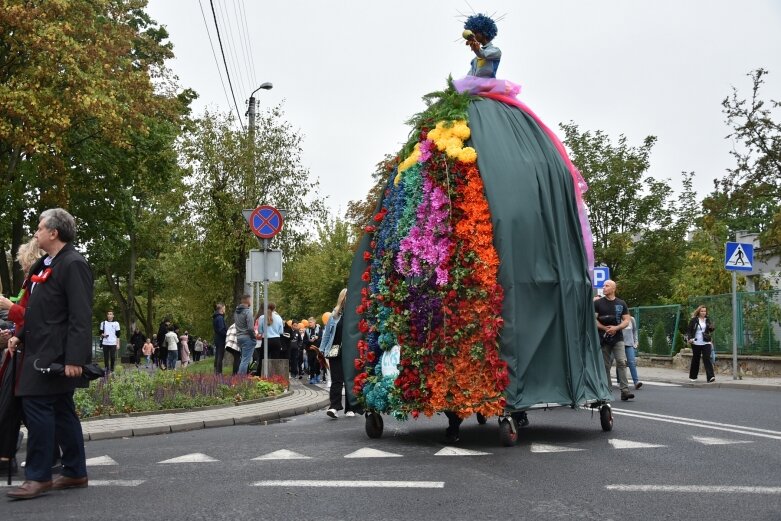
[[674, 453]]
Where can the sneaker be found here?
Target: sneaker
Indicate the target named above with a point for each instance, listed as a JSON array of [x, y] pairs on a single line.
[[350, 414], [711, 379], [331, 413], [692, 379], [311, 380], [638, 385], [627, 396]]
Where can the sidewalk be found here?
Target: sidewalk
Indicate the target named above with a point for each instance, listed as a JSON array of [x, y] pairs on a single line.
[[301, 399], [681, 377]]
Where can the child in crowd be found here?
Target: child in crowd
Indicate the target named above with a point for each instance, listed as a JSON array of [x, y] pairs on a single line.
[[148, 349]]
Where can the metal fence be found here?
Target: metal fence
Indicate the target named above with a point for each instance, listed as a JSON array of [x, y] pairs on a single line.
[[758, 325], [657, 328]]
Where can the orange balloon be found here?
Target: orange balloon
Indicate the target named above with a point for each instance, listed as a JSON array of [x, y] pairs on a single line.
[[326, 317], [305, 323]]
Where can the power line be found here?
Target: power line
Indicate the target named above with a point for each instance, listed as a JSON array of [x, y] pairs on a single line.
[[211, 44], [225, 62], [249, 41], [230, 48], [243, 45]]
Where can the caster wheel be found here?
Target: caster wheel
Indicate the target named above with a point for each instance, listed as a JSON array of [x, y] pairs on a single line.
[[606, 418], [374, 425], [508, 432], [481, 419]]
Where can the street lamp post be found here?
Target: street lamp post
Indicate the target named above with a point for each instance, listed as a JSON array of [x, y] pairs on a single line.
[[265, 242], [251, 110]]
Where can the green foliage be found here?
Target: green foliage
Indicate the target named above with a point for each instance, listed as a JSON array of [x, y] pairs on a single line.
[[644, 343], [748, 197], [442, 105], [314, 278], [659, 344]]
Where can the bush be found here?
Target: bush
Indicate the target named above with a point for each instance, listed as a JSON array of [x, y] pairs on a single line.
[[659, 343]]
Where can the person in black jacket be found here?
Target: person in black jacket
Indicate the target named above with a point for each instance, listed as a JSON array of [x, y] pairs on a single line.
[[137, 340], [699, 337], [162, 352], [220, 332], [57, 329]]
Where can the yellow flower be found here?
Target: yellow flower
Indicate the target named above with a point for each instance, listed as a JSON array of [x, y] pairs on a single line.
[[461, 130], [397, 179], [454, 152], [467, 155]]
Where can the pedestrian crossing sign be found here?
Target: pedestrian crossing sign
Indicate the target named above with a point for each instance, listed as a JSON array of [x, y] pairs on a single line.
[[739, 256]]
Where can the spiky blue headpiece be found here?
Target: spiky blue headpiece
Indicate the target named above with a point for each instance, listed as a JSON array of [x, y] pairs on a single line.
[[480, 23]]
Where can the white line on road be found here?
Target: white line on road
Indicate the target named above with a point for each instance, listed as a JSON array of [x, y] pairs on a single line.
[[751, 431], [115, 482], [696, 489], [349, 484]]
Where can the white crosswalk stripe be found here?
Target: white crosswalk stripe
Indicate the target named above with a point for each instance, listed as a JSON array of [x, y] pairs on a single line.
[[541, 447], [101, 461], [455, 451], [627, 444], [281, 454], [372, 453], [191, 458]]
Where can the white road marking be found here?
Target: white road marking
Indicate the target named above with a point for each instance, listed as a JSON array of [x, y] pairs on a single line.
[[191, 458], [717, 441], [541, 447], [93, 483], [454, 451], [661, 384], [696, 489], [101, 461], [739, 429], [350, 484], [372, 453], [281, 454], [115, 482], [626, 444]]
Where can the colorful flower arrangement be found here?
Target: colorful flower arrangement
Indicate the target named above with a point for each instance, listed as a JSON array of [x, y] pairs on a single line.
[[432, 292]]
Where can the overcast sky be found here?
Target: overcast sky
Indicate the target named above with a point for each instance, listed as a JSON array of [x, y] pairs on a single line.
[[349, 73]]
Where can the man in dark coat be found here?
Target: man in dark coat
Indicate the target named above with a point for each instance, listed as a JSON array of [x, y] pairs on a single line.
[[57, 329]]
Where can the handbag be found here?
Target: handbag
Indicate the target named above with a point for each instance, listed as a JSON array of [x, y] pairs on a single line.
[[334, 351]]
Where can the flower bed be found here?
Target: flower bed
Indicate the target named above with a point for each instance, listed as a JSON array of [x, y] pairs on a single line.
[[139, 391], [432, 291]]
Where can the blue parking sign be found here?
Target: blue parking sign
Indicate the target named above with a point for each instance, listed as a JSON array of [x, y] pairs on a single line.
[[601, 274]]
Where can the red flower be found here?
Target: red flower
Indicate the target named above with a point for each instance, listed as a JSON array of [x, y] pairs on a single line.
[[367, 256], [358, 364], [369, 229], [365, 277], [379, 217], [371, 356]]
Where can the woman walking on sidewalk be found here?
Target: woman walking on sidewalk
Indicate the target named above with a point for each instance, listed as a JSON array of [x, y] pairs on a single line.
[[331, 348], [699, 334]]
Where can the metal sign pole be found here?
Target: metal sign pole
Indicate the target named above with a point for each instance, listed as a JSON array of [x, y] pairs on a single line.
[[265, 307], [735, 369]]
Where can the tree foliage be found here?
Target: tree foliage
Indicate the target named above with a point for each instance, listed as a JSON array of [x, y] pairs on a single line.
[[229, 171]]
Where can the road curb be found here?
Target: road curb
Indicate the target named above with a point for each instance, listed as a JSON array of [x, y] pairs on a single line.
[[745, 386]]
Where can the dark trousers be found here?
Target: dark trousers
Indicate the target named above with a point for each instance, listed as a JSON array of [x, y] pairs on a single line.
[[453, 422], [197, 355], [295, 364], [109, 357], [314, 364], [703, 352], [49, 418], [337, 384], [219, 355], [236, 361]]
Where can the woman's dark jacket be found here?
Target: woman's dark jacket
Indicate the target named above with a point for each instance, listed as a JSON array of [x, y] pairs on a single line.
[[57, 324], [691, 331]]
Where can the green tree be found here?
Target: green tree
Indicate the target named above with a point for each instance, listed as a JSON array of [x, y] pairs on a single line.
[[622, 200], [748, 196], [315, 277], [659, 343], [70, 72], [229, 172]]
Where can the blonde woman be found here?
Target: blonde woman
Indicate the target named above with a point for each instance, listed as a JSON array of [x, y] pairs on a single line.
[[699, 334], [330, 346], [29, 253]]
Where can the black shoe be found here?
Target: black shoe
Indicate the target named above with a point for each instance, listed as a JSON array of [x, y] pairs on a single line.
[[451, 436], [627, 396]]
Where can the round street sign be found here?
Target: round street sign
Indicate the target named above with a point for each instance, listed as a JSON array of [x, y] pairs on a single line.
[[265, 221]]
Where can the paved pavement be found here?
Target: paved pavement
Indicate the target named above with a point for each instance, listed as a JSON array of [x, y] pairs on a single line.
[[305, 398], [301, 399]]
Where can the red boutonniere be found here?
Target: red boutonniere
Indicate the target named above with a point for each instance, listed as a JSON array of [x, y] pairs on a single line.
[[43, 277]]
